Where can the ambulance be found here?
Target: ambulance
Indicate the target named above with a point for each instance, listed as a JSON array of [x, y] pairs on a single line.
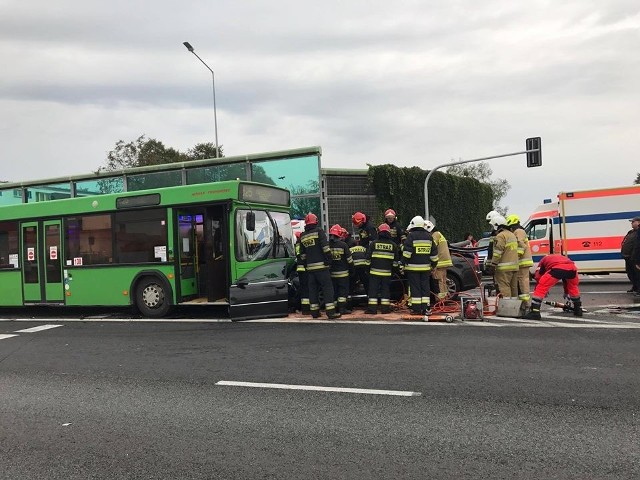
[[588, 226]]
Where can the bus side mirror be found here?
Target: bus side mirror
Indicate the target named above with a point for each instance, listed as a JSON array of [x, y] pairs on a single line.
[[250, 221]]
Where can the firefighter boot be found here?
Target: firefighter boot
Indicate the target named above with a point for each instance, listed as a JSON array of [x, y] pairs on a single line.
[[385, 309], [577, 307], [534, 313]]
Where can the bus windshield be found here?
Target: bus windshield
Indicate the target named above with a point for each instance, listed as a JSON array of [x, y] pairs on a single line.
[[271, 238]]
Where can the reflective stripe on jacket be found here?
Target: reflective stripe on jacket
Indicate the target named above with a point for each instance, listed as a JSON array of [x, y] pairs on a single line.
[[444, 257], [382, 256], [419, 251], [505, 251], [524, 251]]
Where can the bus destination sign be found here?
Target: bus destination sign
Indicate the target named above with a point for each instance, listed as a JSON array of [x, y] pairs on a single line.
[[263, 194]]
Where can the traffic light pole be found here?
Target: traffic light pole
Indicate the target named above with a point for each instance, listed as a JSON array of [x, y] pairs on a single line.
[[426, 182]]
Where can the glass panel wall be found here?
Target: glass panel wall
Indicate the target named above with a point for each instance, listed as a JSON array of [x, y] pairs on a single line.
[[45, 193], [153, 180], [300, 175], [217, 173], [10, 196], [103, 186]]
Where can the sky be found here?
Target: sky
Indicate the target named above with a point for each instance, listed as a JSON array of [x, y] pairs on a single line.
[[413, 83]]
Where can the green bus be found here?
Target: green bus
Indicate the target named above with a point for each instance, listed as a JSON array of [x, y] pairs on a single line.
[[226, 243]]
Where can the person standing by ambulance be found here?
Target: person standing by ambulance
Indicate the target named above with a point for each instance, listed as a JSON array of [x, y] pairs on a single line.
[[525, 260], [419, 255], [316, 254], [444, 259], [504, 261], [626, 249]]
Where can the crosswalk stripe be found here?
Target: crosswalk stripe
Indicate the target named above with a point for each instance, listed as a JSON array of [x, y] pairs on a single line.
[[37, 329], [4, 336]]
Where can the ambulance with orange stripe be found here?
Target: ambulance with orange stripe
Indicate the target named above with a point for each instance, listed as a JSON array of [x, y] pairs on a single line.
[[588, 226]]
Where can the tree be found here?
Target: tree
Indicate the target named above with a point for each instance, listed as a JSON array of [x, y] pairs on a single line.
[[482, 172], [637, 180], [140, 153], [203, 150]]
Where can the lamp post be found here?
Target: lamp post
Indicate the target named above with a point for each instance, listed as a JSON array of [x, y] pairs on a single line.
[[213, 83]]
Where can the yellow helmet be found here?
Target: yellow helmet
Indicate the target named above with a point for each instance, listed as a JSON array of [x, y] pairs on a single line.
[[512, 219]]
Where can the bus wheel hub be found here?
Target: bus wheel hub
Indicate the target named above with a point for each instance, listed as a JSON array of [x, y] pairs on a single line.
[[152, 296]]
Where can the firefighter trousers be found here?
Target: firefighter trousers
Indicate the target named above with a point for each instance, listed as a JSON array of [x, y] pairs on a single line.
[[524, 288], [379, 288], [341, 291], [507, 281], [419, 292], [320, 280]]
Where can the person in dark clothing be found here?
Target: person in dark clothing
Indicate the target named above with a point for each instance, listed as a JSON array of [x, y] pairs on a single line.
[[382, 257], [551, 269], [627, 249], [396, 232], [341, 268], [360, 268], [302, 277], [316, 254], [419, 256], [366, 230]]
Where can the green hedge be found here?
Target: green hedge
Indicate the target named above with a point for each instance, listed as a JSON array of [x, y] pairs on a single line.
[[458, 204]]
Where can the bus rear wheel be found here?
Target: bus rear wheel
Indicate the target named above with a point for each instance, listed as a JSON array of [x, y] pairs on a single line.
[[151, 298]]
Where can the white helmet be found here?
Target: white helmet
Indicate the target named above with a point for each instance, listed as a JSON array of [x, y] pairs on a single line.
[[429, 225], [491, 214], [498, 221], [416, 222]]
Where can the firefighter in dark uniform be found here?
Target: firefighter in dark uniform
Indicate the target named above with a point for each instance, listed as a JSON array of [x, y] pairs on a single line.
[[419, 256], [341, 268], [366, 230], [360, 267], [382, 256], [302, 277], [316, 254], [396, 232]]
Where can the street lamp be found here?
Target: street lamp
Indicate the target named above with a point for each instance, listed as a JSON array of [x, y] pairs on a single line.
[[213, 83]]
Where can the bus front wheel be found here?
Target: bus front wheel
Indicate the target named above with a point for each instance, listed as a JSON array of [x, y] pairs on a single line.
[[152, 298]]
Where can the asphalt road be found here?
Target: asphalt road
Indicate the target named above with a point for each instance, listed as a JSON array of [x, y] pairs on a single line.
[[102, 399]]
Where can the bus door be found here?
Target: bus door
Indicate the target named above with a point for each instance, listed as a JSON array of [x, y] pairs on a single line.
[[41, 266], [203, 260], [188, 252]]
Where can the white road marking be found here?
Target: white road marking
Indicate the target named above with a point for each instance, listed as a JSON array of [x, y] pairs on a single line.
[[37, 329], [4, 336], [282, 386]]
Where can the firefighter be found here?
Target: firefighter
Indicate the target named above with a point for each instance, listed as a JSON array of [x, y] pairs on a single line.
[[366, 230], [360, 267], [504, 260], [444, 259], [316, 254], [341, 267], [551, 269], [302, 277], [382, 258], [419, 255], [525, 261], [492, 235], [395, 230]]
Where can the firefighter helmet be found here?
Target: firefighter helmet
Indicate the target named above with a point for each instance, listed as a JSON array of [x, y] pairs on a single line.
[[429, 226], [358, 219], [513, 219], [344, 233], [416, 222], [336, 230], [390, 213], [311, 219], [384, 228], [491, 214], [498, 221]]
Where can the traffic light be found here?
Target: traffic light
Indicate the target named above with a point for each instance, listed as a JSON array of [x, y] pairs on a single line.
[[534, 159]]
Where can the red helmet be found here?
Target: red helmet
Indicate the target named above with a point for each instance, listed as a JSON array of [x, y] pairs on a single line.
[[344, 233], [336, 230], [384, 228], [311, 219], [389, 213], [358, 219], [297, 234]]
